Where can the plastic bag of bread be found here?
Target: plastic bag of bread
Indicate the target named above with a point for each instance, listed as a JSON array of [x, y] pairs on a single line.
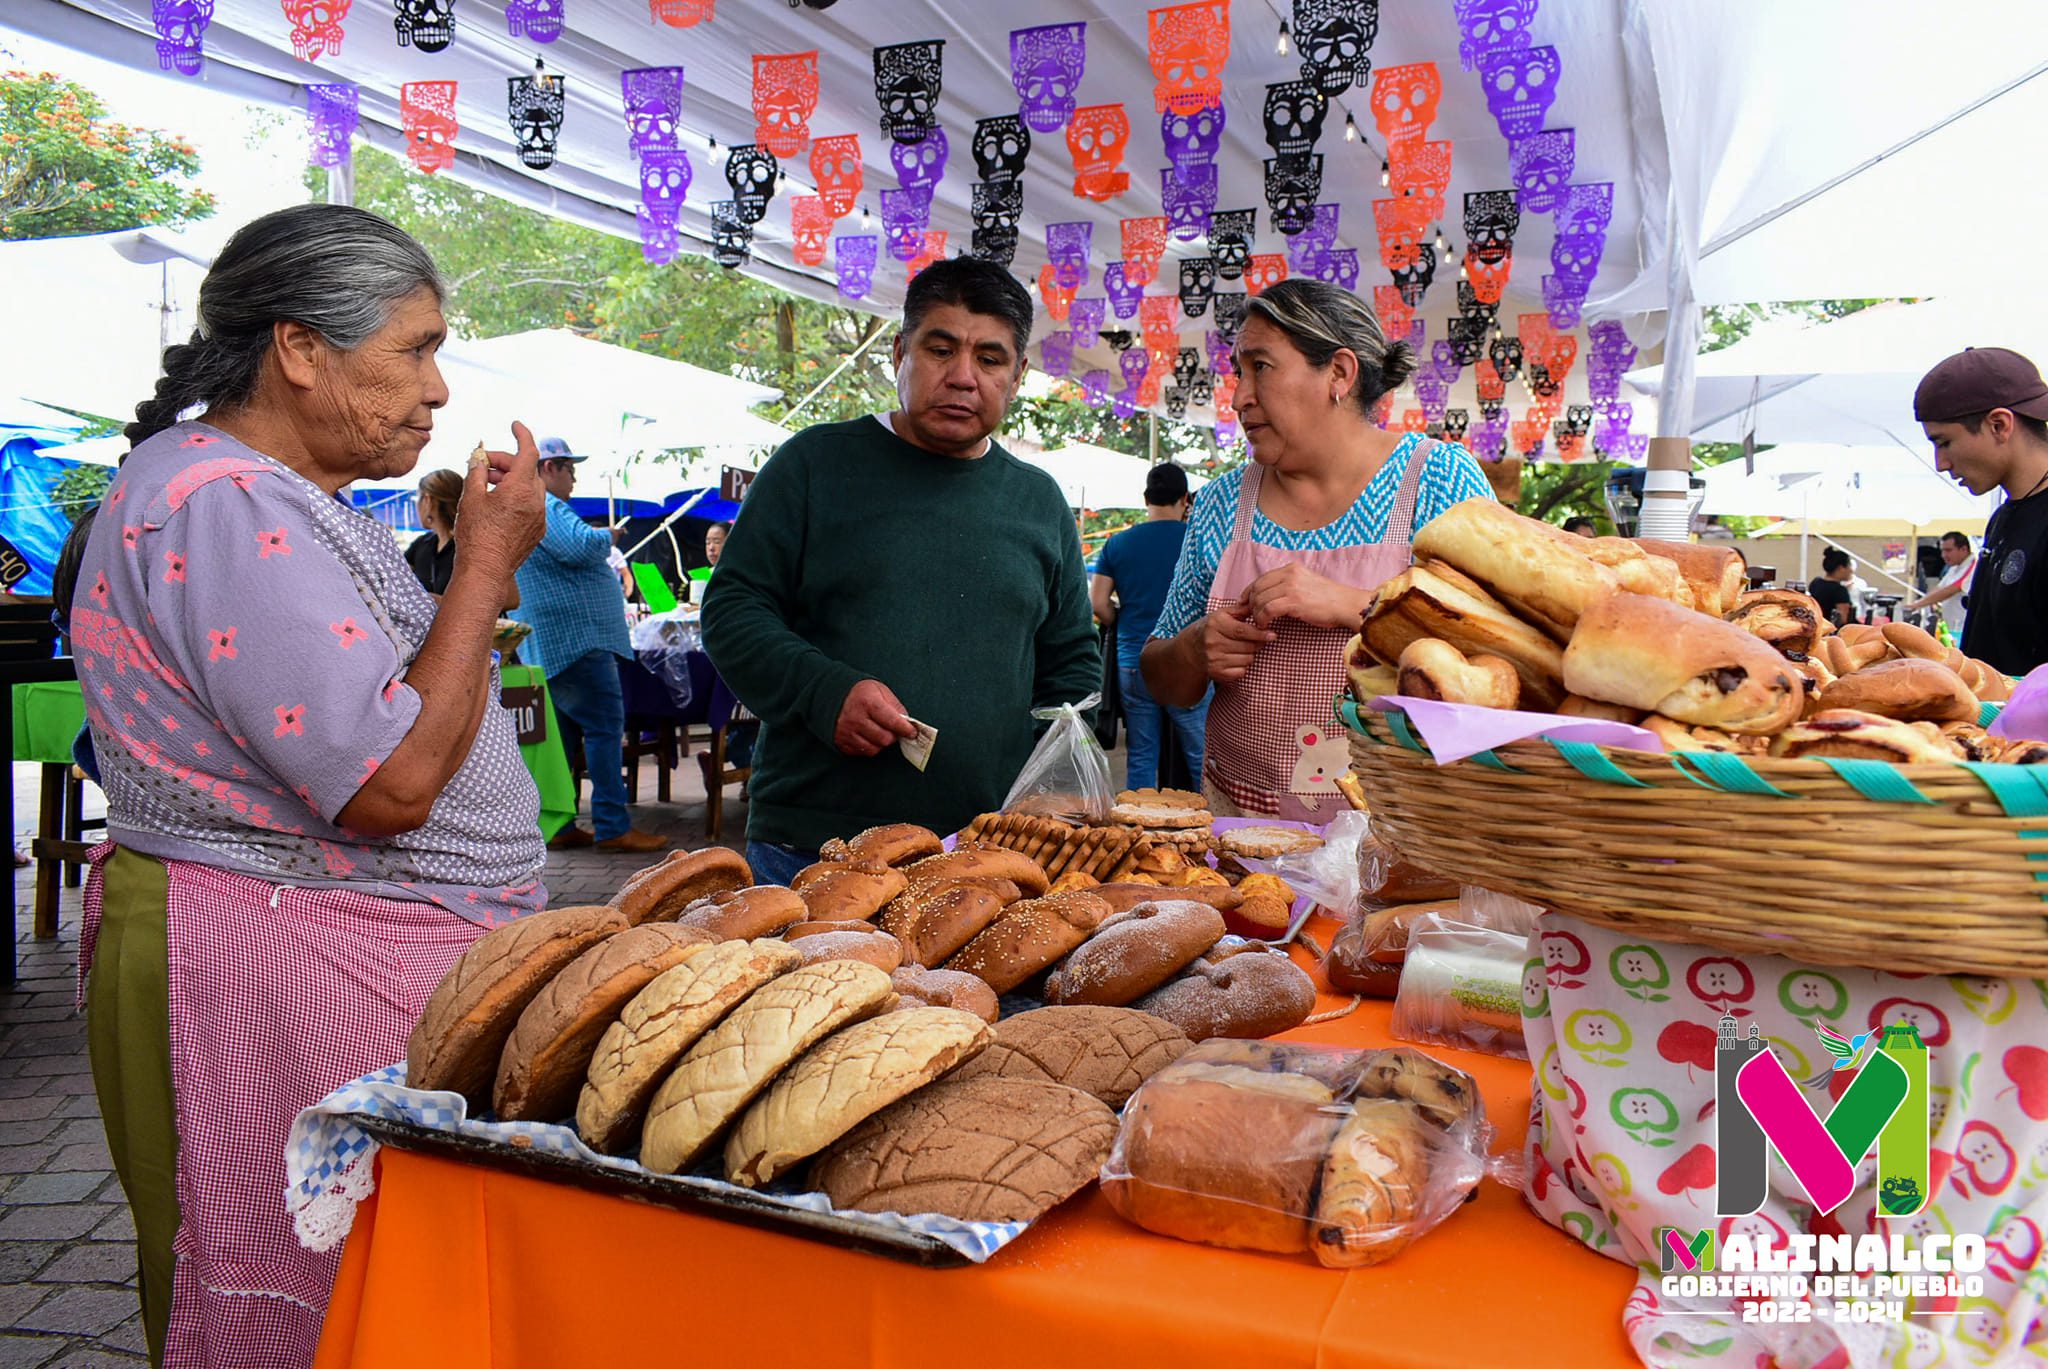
[[1067, 774], [1386, 877], [1367, 952], [1297, 1149], [1326, 874], [1461, 986]]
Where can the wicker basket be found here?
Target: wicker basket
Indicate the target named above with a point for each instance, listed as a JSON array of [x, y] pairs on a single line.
[[1937, 869]]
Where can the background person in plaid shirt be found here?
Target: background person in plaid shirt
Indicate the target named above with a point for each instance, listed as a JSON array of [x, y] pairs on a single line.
[[572, 598]]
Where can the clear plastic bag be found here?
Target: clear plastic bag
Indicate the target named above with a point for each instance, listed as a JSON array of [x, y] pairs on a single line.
[[1068, 773], [1368, 950], [1461, 985], [1386, 877], [1296, 1148]]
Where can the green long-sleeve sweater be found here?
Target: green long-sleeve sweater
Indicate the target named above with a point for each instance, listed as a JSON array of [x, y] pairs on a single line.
[[957, 583]]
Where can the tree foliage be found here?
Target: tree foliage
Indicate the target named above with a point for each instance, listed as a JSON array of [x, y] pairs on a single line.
[[65, 168]]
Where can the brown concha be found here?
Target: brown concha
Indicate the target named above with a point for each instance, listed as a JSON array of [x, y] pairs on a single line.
[[1106, 1052]]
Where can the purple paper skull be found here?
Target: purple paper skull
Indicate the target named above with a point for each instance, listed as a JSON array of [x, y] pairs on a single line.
[[540, 20], [1565, 301], [853, 260], [1230, 241], [1335, 36], [1576, 258], [332, 109], [1124, 403], [1338, 266], [1056, 354], [908, 78], [664, 181], [1066, 247], [1431, 392], [1310, 245], [1192, 139], [1541, 164], [1134, 364], [654, 101], [1228, 432], [428, 25], [1086, 317], [181, 34], [1520, 84], [1095, 387], [905, 216], [1492, 26], [1189, 198], [1045, 66], [1123, 295], [1220, 349], [1001, 146], [1585, 209], [660, 238], [752, 171], [920, 165], [1445, 358]]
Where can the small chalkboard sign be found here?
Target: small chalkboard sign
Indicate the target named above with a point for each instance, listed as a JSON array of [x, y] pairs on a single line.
[[528, 706]]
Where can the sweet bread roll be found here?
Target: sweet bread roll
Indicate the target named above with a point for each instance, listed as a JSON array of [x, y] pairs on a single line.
[[661, 1022], [548, 1053], [745, 914], [1650, 654], [1432, 599], [1576, 707], [1910, 689], [461, 1032], [1124, 895], [1224, 1155], [664, 889], [1526, 564], [1851, 735], [1717, 576], [1787, 619], [1373, 1184], [1369, 679], [918, 987], [1030, 936], [1639, 570], [1676, 736], [1133, 953], [1106, 1052], [1975, 743], [820, 926], [897, 843], [2019, 751], [982, 862], [934, 926], [1071, 880], [854, 891], [1446, 1096], [872, 946], [1908, 640], [1245, 989], [1432, 668]]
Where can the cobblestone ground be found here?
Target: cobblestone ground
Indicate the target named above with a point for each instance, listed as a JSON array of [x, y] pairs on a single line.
[[67, 1246]]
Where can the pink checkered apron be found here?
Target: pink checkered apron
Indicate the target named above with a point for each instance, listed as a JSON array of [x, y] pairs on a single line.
[[278, 996], [1273, 748]]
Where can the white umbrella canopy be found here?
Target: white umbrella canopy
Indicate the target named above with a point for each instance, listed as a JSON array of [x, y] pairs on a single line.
[[1826, 489], [1097, 478], [1850, 380]]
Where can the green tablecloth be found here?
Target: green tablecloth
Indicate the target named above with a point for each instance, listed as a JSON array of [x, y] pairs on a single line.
[[48, 715]]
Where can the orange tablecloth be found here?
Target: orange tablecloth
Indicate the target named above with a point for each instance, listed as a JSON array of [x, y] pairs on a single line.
[[455, 1266]]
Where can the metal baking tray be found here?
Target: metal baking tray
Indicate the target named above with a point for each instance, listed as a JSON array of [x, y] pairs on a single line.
[[846, 1231]]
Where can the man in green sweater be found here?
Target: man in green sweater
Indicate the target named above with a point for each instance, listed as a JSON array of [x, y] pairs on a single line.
[[903, 566]]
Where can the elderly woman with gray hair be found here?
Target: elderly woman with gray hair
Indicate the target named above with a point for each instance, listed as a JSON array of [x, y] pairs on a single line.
[[1283, 554], [314, 803]]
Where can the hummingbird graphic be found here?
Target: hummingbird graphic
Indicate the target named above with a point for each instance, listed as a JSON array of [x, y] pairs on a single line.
[[1845, 1049]]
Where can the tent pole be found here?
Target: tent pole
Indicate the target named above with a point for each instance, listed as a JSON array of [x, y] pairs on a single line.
[[837, 371], [1152, 437], [1667, 478], [702, 495]]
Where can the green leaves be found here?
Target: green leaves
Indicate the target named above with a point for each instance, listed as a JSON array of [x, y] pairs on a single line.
[[65, 168]]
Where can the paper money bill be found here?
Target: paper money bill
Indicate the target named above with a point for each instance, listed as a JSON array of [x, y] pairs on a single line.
[[918, 750]]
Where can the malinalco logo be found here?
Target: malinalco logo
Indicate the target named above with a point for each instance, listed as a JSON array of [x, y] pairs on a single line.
[[1758, 1105]]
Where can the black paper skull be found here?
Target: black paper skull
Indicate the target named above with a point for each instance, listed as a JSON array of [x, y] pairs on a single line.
[[1490, 410], [1540, 381], [1492, 217], [1119, 339], [1335, 36], [1468, 339], [1472, 307], [732, 237], [1295, 111], [1187, 364], [1230, 241], [1456, 421], [1230, 308], [1000, 205], [1578, 419], [428, 25], [1176, 401], [535, 105], [907, 83], [1001, 146], [998, 245], [1197, 286], [752, 171], [1414, 281], [1293, 185], [1506, 355]]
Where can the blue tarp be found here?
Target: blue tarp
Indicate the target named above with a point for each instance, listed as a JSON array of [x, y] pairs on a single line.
[[30, 521]]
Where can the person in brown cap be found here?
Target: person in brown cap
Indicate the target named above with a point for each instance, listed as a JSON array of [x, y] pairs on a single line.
[[1985, 409]]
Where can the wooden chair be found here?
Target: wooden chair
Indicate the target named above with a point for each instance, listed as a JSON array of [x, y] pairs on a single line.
[[59, 847], [726, 712]]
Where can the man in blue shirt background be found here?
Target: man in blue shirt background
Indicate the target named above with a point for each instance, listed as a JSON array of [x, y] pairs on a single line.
[[571, 597], [1136, 566]]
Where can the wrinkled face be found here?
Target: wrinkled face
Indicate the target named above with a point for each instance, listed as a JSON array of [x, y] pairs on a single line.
[[1281, 400], [1978, 461], [375, 405], [955, 378]]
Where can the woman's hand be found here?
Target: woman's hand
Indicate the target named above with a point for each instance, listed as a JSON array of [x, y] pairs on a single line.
[[1229, 642], [1294, 591], [504, 507]]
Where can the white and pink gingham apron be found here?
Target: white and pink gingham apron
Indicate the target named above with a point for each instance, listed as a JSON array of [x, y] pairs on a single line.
[[1273, 746]]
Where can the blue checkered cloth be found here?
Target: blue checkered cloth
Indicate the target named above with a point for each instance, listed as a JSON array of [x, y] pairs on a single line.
[[328, 1162], [570, 595]]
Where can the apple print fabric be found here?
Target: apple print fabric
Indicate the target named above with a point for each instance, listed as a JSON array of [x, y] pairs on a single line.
[[1623, 1030], [243, 641]]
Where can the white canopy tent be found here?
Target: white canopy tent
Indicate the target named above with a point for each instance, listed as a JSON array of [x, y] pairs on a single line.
[[1840, 491], [1097, 478]]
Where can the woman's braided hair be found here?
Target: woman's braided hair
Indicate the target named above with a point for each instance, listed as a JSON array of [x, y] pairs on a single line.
[[332, 267]]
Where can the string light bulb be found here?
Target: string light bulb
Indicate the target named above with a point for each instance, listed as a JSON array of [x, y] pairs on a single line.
[[1386, 174], [542, 80], [1440, 242], [1350, 128], [1280, 44]]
